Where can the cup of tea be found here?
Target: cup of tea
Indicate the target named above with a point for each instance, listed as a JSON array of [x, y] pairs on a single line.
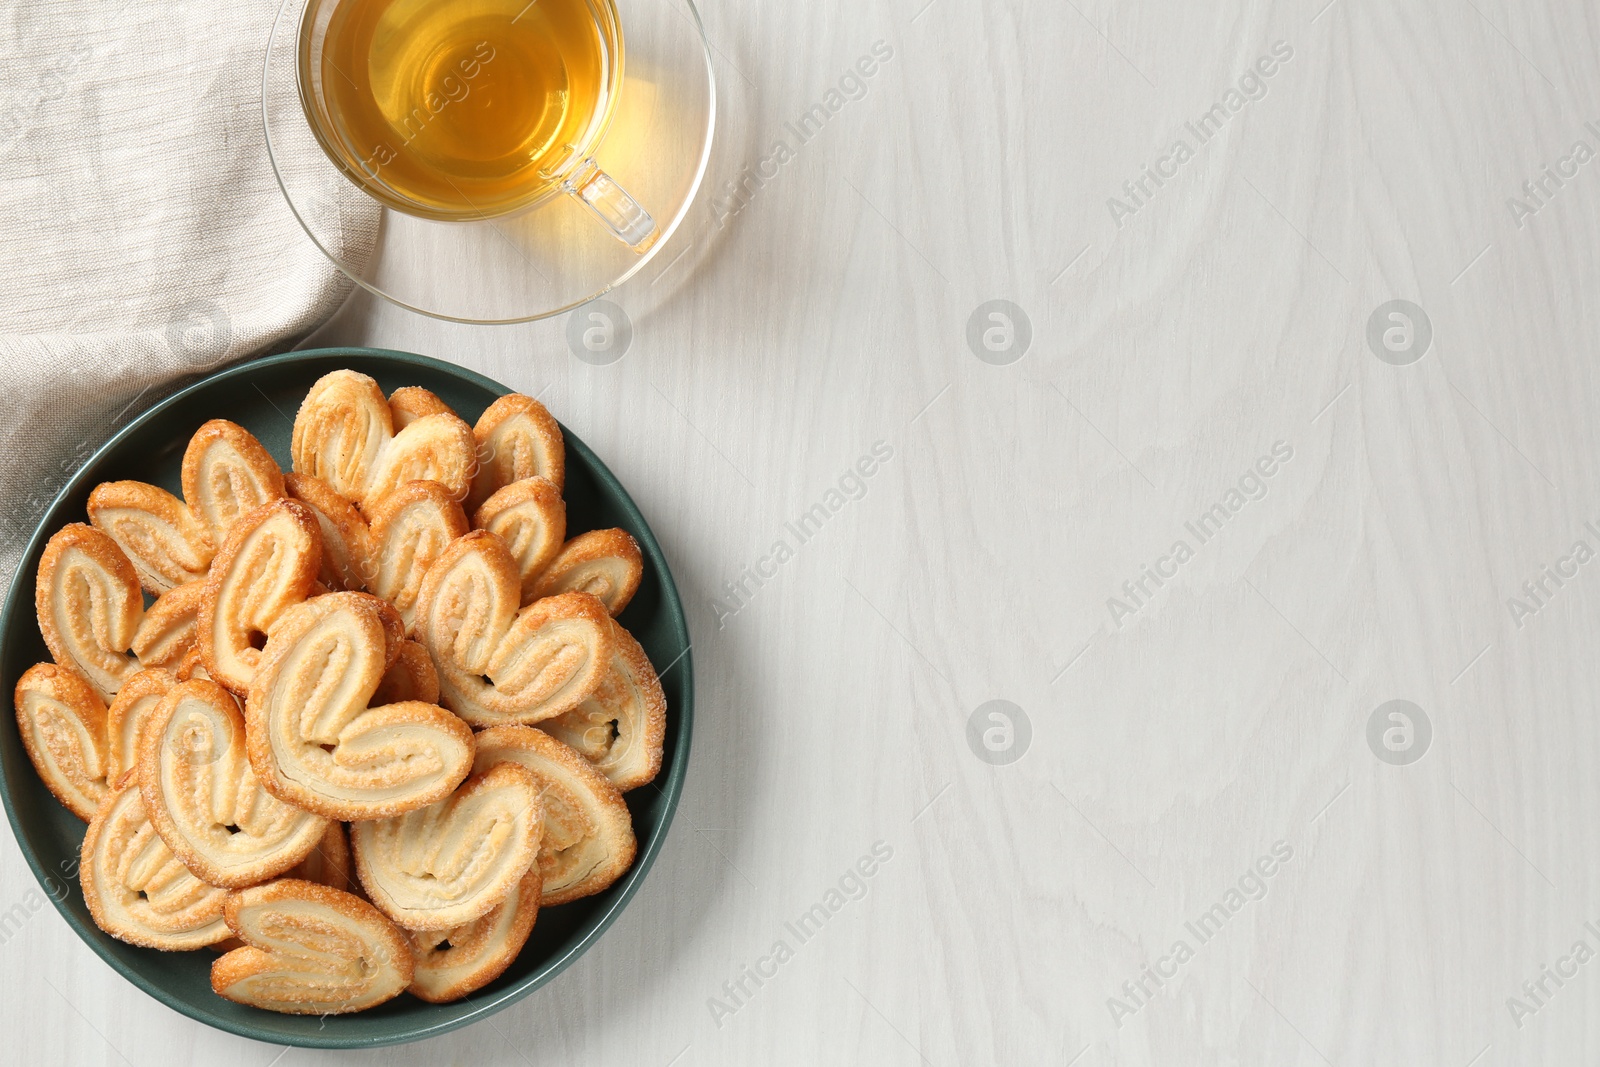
[[467, 110], [454, 156]]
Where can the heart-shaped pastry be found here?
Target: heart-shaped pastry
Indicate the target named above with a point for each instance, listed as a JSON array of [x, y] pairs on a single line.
[[588, 839], [531, 518], [388, 556], [499, 664], [605, 563], [315, 742], [622, 727], [63, 725], [226, 474], [516, 439], [167, 632], [452, 963], [344, 434], [268, 564], [135, 888], [136, 701], [439, 867], [89, 605], [204, 800], [310, 950]]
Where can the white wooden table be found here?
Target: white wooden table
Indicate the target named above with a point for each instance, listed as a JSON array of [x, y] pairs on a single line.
[[1182, 778]]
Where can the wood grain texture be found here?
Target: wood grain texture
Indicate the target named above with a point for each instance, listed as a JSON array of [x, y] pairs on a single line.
[[1229, 713]]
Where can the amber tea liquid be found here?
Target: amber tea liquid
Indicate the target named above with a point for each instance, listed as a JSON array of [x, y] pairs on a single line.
[[459, 108]]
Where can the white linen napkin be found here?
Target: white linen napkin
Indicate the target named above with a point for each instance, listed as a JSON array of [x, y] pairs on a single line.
[[143, 237]]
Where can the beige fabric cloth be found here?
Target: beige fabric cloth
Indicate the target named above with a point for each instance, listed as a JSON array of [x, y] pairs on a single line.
[[143, 237]]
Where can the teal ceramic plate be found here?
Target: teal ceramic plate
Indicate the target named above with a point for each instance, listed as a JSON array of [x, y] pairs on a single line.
[[263, 396]]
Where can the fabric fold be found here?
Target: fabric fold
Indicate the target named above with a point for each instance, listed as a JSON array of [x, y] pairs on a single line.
[[144, 239]]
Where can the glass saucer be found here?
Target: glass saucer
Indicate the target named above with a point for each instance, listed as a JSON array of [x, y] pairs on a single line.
[[549, 258]]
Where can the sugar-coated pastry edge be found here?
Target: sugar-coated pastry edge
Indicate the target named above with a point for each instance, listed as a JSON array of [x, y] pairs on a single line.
[[242, 963], [410, 677], [298, 584], [496, 471], [168, 631], [344, 531], [209, 934], [254, 455], [591, 547], [110, 498], [287, 632], [618, 820], [105, 554], [74, 692], [409, 403], [542, 498], [375, 879], [514, 916], [329, 863], [126, 713], [153, 755], [631, 659]]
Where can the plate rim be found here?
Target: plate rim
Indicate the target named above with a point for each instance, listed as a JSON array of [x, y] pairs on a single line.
[[674, 772]]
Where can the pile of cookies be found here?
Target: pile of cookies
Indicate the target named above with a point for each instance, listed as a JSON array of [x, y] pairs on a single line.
[[377, 714]]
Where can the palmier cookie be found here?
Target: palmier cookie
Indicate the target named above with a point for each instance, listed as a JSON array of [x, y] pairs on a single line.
[[531, 518], [517, 438], [63, 725], [226, 474], [496, 663], [329, 863], [606, 563], [192, 666], [168, 631], [409, 403], [450, 863], [204, 800], [388, 556], [588, 840], [310, 950], [89, 606], [315, 742], [343, 529], [128, 715], [410, 677], [621, 728], [452, 963], [268, 564], [136, 889], [344, 434]]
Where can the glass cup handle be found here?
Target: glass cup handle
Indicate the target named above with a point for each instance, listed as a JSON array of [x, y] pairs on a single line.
[[612, 205]]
